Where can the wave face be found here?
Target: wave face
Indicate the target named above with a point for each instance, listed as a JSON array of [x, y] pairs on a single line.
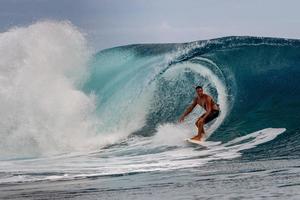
[[58, 97], [255, 80]]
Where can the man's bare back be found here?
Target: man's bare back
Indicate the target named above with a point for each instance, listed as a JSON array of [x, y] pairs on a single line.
[[212, 111]]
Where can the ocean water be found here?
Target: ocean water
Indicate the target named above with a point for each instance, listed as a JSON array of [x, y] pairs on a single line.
[[81, 124]]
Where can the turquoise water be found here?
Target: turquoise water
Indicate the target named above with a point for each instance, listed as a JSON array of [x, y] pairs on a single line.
[[105, 125], [257, 78]]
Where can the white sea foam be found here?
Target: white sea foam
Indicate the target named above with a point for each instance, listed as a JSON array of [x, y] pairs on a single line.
[[144, 156], [42, 67]]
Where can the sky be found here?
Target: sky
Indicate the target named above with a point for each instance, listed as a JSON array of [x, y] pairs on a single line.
[[110, 23]]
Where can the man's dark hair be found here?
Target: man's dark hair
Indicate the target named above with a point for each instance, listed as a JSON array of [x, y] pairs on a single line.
[[198, 87]]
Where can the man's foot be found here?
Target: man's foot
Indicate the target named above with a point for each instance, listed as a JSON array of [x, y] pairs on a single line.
[[197, 137]]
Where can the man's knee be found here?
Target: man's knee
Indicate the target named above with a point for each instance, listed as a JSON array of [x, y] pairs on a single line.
[[199, 123]]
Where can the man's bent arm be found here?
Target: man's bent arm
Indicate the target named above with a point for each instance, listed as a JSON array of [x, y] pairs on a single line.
[[189, 109]]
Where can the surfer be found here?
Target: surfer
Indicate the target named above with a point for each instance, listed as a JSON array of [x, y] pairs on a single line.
[[212, 111]]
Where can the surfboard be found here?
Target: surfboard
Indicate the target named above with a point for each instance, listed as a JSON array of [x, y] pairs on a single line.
[[202, 143], [194, 141]]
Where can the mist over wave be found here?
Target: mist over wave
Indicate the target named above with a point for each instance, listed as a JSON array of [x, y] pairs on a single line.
[[43, 109]]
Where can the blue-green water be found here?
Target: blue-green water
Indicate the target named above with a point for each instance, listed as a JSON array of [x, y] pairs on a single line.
[[110, 130]]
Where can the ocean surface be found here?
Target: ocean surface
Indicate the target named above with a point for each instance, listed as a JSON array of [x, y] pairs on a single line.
[[81, 124]]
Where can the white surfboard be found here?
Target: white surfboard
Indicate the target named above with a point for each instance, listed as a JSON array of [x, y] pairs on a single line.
[[202, 143]]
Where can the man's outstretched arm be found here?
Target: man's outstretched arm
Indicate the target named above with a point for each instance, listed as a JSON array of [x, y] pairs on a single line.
[[188, 110]]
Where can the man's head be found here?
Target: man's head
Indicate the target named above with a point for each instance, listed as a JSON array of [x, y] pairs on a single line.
[[199, 90]]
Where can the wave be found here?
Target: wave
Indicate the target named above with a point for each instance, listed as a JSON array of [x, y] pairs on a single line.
[[253, 79], [56, 96]]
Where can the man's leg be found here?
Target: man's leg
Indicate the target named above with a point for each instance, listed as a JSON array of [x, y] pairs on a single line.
[[200, 130]]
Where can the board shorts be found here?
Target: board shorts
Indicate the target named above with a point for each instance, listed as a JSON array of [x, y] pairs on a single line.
[[213, 115]]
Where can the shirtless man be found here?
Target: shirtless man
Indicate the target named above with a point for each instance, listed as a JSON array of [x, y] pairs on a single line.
[[212, 111]]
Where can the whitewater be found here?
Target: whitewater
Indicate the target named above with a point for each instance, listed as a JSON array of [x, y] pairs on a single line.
[[77, 123]]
